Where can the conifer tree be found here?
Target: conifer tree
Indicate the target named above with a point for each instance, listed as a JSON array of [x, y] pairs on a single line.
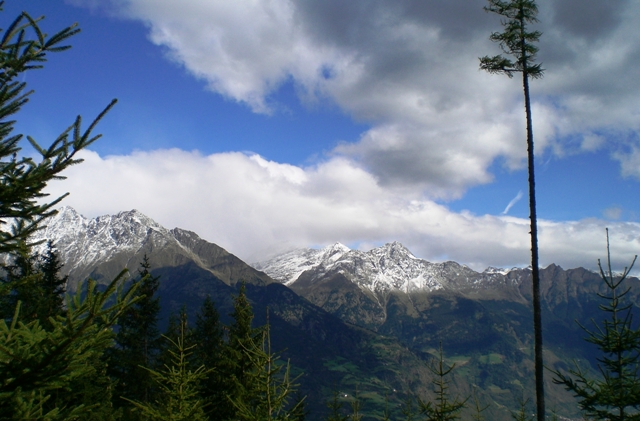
[[408, 410], [335, 408], [236, 366], [356, 404], [137, 343], [24, 46], [615, 396], [209, 339], [517, 41], [21, 283], [443, 408], [178, 326], [36, 363], [179, 398], [52, 284], [267, 386], [34, 280]]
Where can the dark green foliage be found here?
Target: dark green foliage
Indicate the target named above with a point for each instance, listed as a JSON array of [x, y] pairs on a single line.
[[137, 342], [266, 388], [49, 356], [177, 328], [299, 411], [515, 41], [518, 42], [408, 409], [615, 395], [209, 339], [24, 46], [52, 285], [34, 281], [35, 363], [478, 408], [443, 408], [355, 415], [522, 414], [178, 383], [335, 408], [20, 283], [238, 364]]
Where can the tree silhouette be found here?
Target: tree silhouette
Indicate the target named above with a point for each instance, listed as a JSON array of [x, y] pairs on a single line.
[[616, 395], [517, 42]]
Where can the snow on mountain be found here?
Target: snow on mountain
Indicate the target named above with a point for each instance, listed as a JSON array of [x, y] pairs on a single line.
[[389, 267], [83, 242], [287, 267]]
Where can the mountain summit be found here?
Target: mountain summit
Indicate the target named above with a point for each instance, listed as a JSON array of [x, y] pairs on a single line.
[[101, 247], [391, 267]]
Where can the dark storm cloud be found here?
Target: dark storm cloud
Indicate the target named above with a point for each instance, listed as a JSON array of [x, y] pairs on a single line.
[[590, 19]]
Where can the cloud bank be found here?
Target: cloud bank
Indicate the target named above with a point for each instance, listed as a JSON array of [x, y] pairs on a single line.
[[410, 70], [255, 208], [437, 124]]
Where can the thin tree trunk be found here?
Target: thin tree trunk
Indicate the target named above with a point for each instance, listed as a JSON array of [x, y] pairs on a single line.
[[535, 273]]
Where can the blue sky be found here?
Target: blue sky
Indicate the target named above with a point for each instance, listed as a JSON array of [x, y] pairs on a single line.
[[265, 126]]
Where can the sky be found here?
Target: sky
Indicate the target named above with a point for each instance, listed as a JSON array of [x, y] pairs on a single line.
[[268, 125]]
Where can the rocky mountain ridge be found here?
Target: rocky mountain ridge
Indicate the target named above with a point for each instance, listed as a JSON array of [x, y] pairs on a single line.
[[101, 247], [391, 267]]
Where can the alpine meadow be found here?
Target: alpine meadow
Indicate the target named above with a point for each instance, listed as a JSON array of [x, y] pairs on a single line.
[[362, 166]]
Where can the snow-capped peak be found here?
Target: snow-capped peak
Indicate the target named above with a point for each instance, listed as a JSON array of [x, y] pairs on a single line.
[[389, 267], [83, 242], [334, 251], [288, 266]]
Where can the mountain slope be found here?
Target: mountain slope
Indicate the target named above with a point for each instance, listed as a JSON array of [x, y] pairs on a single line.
[[381, 270], [101, 247], [328, 352], [347, 318], [482, 320]]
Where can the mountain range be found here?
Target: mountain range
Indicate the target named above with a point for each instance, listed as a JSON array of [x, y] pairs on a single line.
[[350, 319]]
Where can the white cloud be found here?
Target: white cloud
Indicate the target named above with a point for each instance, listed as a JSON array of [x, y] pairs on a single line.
[[612, 213], [629, 161], [512, 202], [410, 69], [254, 207]]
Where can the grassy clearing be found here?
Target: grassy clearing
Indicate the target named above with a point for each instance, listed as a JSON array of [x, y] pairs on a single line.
[[342, 365], [491, 359]]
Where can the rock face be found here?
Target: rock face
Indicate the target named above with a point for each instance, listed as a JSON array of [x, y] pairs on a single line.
[[101, 247], [357, 285], [381, 270]]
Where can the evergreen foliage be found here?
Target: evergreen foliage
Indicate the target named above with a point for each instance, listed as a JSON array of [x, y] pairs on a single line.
[[518, 42], [24, 46], [335, 408], [209, 337], [20, 283], [355, 415], [266, 388], [35, 363], [236, 367], [137, 343], [614, 396], [178, 399], [52, 285], [522, 414], [33, 280], [408, 409], [443, 409], [478, 408]]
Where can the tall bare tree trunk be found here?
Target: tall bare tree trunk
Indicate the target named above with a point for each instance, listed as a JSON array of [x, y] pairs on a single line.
[[535, 273]]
